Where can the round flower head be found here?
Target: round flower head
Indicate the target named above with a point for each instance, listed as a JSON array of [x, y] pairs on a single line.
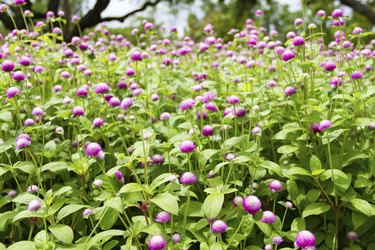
[[256, 130], [290, 90], [188, 178], [288, 204], [277, 240], [163, 217], [176, 237], [101, 88], [25, 61], [219, 226], [298, 41], [119, 176], [321, 13], [259, 12], [298, 21], [126, 103], [325, 124], [275, 185], [97, 183], [237, 200], [32, 189], [211, 106], [156, 242], [33, 205], [165, 116], [208, 96], [230, 157], [357, 30], [157, 159], [352, 236], [287, 55], [330, 66], [187, 146], [130, 72], [136, 56], [187, 104], [337, 13], [305, 239], [12, 91], [7, 66], [357, 75], [87, 212], [37, 111], [12, 194], [18, 76], [93, 149], [114, 102], [251, 204], [268, 217], [97, 122], [82, 91], [207, 130], [233, 99], [372, 125], [28, 122], [78, 111], [22, 143]]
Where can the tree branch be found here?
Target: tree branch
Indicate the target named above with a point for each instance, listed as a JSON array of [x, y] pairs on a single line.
[[122, 18], [361, 8]]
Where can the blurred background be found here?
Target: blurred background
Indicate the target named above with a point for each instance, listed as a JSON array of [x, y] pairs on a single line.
[[191, 16]]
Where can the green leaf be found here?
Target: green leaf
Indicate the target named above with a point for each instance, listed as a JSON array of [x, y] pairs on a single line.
[[26, 214], [49, 149], [62, 232], [115, 203], [68, 210], [315, 209], [26, 167], [272, 166], [298, 224], [342, 180], [287, 149], [298, 171], [109, 219], [315, 163], [131, 187], [363, 206], [55, 166], [232, 142], [212, 205], [22, 245], [166, 201], [103, 235], [6, 116], [161, 179]]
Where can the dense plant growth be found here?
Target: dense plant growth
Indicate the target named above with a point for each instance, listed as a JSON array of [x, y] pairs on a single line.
[[182, 144]]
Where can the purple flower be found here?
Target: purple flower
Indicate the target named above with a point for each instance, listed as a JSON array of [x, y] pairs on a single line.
[[188, 178], [275, 185], [18, 76], [325, 124], [95, 150], [78, 111], [130, 72], [157, 159], [352, 236], [97, 183], [259, 12], [136, 56], [305, 239], [114, 102], [19, 2], [256, 130], [357, 75], [230, 157], [187, 104], [12, 91], [208, 96], [97, 122], [290, 90], [357, 30], [237, 200], [298, 21], [207, 130], [219, 226], [119, 176], [37, 111], [315, 127], [87, 212], [25, 61], [22, 143], [321, 13], [329, 66], [7, 66], [156, 242], [336, 81], [101, 88], [12, 194], [337, 13], [32, 189], [277, 240], [298, 41], [268, 217], [176, 237], [251, 204], [82, 91], [211, 106], [233, 99], [187, 146], [126, 103], [287, 55], [34, 205], [163, 217], [165, 116], [372, 125]]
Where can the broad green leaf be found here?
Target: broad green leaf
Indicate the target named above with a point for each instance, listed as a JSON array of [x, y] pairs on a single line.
[[166, 201], [55, 166], [272, 166], [163, 178], [6, 116], [115, 203], [26, 214], [131, 187], [62, 232], [287, 149], [103, 235], [315, 163], [315, 209], [109, 219], [298, 171], [363, 206], [298, 224], [22, 245], [68, 210], [212, 205]]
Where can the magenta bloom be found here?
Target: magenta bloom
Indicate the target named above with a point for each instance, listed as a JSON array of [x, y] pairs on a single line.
[[298, 21], [37, 111], [298, 41], [187, 146], [207, 130], [329, 66], [325, 124], [18, 76], [352, 236], [188, 178], [87, 212], [357, 75], [268, 217], [28, 122], [321, 13], [163, 217], [157, 159], [82, 91], [7, 66], [78, 111], [101, 88], [126, 103], [305, 239], [275, 185], [119, 176], [157, 242], [337, 13], [208, 96], [287, 55], [12, 91], [34, 205], [176, 237], [165, 116], [233, 99], [256, 130], [211, 106], [22, 143], [237, 200], [357, 30], [97, 122], [251, 204], [187, 104], [219, 226], [95, 150], [136, 56], [25, 61], [289, 90]]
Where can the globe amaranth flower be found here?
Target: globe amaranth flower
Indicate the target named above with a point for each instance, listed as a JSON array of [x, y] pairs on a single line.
[[12, 91], [277, 240], [268, 217], [126, 103], [157, 242], [275, 185], [97, 182], [187, 146], [208, 96], [251, 204], [187, 104], [188, 178], [287, 55], [237, 200], [298, 21], [211, 106], [18, 76], [337, 13], [95, 150], [207, 130], [136, 56], [25, 61], [163, 217], [114, 102], [37, 111], [305, 239], [329, 66], [219, 226], [357, 75], [78, 111], [22, 141], [28, 122], [357, 30], [120, 177], [176, 237], [230, 157], [165, 116], [101, 88], [298, 41], [325, 124], [34, 205], [289, 90], [97, 122], [157, 159], [32, 189], [233, 99], [87, 212], [256, 130], [7, 66], [82, 91], [352, 236], [321, 13], [12, 193]]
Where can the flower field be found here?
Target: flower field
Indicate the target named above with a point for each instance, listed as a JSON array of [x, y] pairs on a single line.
[[171, 143]]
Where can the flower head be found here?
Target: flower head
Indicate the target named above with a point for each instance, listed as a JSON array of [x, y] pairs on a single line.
[[156, 242], [275, 185], [188, 178], [219, 226], [163, 217], [12, 91], [33, 205], [251, 204], [268, 217], [187, 146], [305, 239]]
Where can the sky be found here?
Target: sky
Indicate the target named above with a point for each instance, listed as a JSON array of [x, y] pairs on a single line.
[[162, 14]]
